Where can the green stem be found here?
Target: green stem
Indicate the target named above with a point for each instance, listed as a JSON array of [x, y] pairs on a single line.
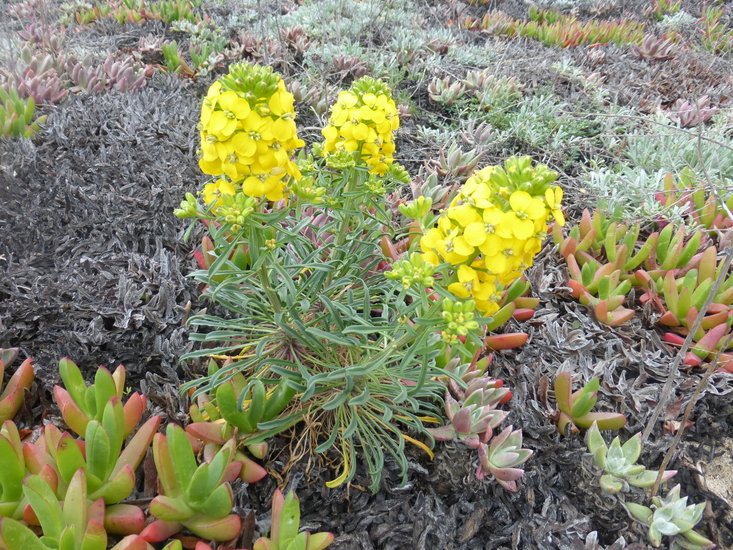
[[271, 295], [352, 177]]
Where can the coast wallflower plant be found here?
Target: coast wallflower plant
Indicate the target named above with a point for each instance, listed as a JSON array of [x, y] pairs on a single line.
[[362, 122], [248, 134], [357, 351]]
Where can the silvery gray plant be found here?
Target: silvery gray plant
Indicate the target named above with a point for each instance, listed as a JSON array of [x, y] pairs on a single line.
[[619, 462], [671, 516]]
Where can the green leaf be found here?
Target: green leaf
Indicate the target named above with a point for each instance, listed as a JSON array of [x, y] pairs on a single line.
[[17, 535], [45, 504], [632, 449], [74, 383], [642, 513], [104, 389], [226, 400], [99, 454], [219, 502], [75, 503], [585, 399], [12, 472], [69, 457], [288, 520], [181, 453]]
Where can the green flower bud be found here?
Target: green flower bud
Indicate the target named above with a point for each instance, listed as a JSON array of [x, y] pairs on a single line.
[[188, 209]]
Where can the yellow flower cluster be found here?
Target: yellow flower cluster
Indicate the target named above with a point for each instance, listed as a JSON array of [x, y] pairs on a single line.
[[248, 134], [494, 227], [363, 121]]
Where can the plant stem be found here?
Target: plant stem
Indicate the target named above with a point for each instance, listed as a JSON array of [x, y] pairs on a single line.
[[353, 176], [271, 295]]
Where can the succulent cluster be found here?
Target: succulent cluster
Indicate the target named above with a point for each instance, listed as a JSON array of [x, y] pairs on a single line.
[[134, 11], [248, 132], [618, 462], [669, 516], [672, 516], [75, 490], [17, 114], [715, 37], [673, 269], [49, 77], [471, 408], [653, 47], [483, 87], [553, 28], [362, 123], [493, 228], [699, 205], [693, 114], [574, 408]]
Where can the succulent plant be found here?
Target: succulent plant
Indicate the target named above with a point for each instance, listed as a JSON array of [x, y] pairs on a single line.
[[574, 409], [284, 533], [219, 420], [80, 404], [454, 165], [689, 115], [478, 135], [701, 206], [501, 456], [600, 287], [553, 28], [109, 469], [672, 516], [35, 75], [43, 36], [474, 416], [70, 525], [619, 462], [296, 39], [349, 65], [16, 114], [655, 48], [13, 394], [12, 472], [195, 496], [445, 91]]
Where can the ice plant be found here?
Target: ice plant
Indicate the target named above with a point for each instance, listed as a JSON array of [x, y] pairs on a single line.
[[671, 516], [217, 420], [108, 467], [618, 462], [17, 114], [701, 206], [13, 394], [248, 133], [80, 404], [362, 122], [285, 525], [70, 525], [13, 471], [574, 408], [195, 496]]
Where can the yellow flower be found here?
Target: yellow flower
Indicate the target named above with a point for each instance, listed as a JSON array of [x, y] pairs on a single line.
[[553, 197], [248, 131], [362, 121], [213, 191], [525, 210]]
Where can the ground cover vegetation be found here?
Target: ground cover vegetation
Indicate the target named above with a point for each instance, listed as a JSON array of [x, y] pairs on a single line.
[[364, 251]]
